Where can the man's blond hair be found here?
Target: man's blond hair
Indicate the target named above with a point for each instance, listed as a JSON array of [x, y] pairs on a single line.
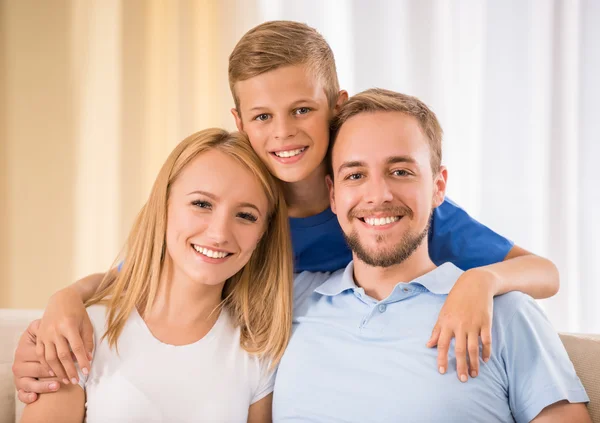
[[276, 44], [380, 100]]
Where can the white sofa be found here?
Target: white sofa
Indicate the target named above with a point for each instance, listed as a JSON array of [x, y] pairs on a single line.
[[584, 351]]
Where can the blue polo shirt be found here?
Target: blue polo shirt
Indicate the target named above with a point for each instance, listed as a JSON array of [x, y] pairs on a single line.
[[454, 236], [354, 359]]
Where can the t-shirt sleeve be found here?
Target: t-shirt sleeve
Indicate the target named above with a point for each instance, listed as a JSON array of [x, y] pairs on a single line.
[[458, 238], [266, 381], [537, 365]]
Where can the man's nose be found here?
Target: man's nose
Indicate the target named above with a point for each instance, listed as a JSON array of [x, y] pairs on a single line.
[[378, 191]]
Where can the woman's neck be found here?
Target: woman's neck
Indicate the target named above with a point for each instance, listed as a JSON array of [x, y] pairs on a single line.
[[184, 311], [309, 196]]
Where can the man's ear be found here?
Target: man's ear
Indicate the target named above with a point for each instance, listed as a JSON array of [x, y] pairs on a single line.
[[238, 120], [439, 186], [329, 182], [342, 98]]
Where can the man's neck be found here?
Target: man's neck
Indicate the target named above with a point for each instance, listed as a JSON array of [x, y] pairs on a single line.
[[309, 196], [379, 282]]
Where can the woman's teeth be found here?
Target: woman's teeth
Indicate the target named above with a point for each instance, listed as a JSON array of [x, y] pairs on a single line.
[[210, 253], [379, 221], [289, 153]]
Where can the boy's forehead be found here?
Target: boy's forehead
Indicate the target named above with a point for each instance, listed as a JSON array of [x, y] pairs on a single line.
[[283, 85]]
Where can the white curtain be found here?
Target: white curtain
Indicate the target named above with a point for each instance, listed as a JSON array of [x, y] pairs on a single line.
[[514, 84]]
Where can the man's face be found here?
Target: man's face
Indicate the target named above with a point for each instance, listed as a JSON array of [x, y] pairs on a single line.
[[383, 189], [285, 114]]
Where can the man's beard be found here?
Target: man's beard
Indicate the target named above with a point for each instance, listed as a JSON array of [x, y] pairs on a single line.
[[407, 245]]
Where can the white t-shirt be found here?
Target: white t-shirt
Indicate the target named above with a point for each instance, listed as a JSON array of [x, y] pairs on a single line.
[[212, 380]]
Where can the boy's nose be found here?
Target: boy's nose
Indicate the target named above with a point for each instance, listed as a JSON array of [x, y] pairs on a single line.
[[284, 129]]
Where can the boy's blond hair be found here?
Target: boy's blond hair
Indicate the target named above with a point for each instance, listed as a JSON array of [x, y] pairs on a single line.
[[275, 44], [380, 100]]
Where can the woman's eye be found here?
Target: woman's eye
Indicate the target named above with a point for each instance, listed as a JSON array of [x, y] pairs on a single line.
[[248, 216], [302, 110], [202, 204], [262, 117]]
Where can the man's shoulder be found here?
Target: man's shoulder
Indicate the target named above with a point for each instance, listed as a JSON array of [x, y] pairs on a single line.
[[507, 305], [306, 282]]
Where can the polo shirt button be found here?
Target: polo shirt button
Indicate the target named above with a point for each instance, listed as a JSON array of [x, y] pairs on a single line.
[[382, 308], [405, 289]]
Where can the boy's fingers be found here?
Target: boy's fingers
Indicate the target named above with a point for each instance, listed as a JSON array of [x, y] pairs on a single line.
[[435, 336], [473, 348], [460, 350], [486, 342], [443, 347]]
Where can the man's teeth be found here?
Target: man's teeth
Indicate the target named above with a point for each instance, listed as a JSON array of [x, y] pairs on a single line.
[[210, 253], [378, 221], [289, 153]]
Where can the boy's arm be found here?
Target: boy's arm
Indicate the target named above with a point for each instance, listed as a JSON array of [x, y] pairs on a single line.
[[65, 327], [65, 406], [494, 266]]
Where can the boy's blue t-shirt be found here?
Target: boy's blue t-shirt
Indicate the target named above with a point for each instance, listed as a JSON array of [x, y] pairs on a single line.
[[454, 236]]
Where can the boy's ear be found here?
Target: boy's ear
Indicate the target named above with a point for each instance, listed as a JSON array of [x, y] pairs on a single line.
[[329, 182], [439, 186], [238, 120], [342, 98]]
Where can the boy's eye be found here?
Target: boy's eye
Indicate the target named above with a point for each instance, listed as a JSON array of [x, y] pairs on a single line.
[[262, 117], [400, 172], [202, 204], [302, 110], [247, 216]]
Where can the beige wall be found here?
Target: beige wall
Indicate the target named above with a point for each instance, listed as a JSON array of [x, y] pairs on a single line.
[[94, 97]]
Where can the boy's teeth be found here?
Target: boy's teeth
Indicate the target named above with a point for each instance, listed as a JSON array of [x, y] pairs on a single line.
[[210, 253], [378, 221], [290, 153]]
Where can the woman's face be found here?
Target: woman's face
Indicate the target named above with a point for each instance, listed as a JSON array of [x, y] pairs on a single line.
[[217, 213]]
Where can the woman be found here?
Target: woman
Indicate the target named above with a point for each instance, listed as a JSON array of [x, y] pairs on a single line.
[[182, 333]]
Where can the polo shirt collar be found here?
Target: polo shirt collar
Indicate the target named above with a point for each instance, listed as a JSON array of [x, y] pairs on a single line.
[[439, 281]]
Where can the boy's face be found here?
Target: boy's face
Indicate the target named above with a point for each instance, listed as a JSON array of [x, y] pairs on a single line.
[[286, 116]]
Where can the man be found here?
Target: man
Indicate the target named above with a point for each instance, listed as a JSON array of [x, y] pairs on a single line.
[[359, 352]]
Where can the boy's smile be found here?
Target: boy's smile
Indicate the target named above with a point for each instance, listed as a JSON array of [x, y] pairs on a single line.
[[286, 115]]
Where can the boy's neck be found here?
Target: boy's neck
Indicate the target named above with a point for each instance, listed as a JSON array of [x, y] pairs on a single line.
[[307, 197]]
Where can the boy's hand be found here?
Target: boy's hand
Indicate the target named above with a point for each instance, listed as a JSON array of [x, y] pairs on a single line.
[[27, 369], [65, 327], [466, 316]]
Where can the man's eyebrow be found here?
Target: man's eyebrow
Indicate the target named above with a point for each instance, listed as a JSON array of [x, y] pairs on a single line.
[[400, 159], [350, 164], [214, 197]]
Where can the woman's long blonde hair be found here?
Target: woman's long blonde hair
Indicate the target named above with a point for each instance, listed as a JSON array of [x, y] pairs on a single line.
[[258, 297]]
